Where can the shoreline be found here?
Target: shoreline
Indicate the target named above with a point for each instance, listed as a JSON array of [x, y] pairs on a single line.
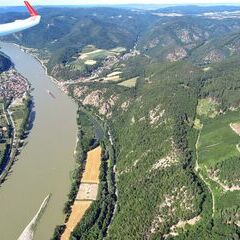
[[60, 87], [17, 143], [71, 152], [54, 80], [77, 167]]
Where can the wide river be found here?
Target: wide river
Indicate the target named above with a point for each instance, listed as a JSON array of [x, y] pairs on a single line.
[[45, 163]]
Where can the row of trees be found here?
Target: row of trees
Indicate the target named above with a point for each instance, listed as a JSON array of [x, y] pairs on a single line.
[[97, 219]]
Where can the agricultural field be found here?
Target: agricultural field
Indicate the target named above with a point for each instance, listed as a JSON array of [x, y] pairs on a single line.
[[219, 163], [19, 115], [93, 162], [87, 192], [78, 210], [130, 83], [97, 54], [113, 77], [90, 62], [78, 65], [217, 140]]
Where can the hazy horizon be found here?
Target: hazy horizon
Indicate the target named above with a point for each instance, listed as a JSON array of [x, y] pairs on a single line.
[[119, 2]]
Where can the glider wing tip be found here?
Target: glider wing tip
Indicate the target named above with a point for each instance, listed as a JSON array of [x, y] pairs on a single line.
[[31, 10]]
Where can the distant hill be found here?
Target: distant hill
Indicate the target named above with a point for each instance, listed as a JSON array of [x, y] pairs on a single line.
[[12, 9], [194, 9], [176, 38], [64, 32], [103, 27]]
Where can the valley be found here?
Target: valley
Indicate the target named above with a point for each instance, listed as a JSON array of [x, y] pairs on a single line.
[[158, 92]]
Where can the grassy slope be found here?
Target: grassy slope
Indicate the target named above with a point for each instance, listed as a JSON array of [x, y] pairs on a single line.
[[218, 141], [217, 131]]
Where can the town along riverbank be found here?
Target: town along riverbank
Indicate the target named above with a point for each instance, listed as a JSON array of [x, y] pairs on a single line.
[[15, 121]]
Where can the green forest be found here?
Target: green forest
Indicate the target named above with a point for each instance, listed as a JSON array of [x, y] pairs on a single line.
[[163, 92]]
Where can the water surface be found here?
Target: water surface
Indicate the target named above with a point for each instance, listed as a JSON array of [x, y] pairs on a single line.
[[45, 163]]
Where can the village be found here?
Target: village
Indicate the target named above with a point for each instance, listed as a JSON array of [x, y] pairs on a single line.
[[13, 111], [13, 86]]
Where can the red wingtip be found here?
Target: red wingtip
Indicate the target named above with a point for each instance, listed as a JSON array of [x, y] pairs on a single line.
[[31, 10]]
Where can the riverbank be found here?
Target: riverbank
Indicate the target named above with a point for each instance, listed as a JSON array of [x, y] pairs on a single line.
[[47, 159], [107, 192], [58, 83], [18, 136]]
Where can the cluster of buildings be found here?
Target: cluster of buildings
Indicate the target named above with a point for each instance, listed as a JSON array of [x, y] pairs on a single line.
[[13, 86], [3, 133], [110, 61]]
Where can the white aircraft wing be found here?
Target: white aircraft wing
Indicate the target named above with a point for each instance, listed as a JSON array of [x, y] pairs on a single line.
[[19, 25]]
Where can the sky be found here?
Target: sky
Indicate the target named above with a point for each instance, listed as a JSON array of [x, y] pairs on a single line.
[[84, 2]]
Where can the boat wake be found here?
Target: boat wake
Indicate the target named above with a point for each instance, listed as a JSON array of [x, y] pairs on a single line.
[[28, 232]]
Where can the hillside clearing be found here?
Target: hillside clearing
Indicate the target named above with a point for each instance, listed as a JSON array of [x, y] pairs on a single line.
[[100, 53], [235, 127], [129, 83], [207, 107], [90, 62]]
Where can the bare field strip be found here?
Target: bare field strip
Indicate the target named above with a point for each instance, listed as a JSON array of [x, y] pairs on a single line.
[[78, 210], [129, 83], [91, 173], [90, 62], [235, 127], [115, 78], [87, 192]]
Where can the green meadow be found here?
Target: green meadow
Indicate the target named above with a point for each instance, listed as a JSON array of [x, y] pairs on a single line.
[[218, 141], [217, 150]]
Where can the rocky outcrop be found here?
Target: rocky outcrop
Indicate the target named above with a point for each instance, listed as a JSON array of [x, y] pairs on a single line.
[[177, 54], [156, 114], [94, 98]]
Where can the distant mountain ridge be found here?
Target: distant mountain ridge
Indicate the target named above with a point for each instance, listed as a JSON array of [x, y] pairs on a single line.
[[197, 9], [165, 8]]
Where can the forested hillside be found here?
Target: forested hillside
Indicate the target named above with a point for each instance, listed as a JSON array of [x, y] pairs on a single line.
[[167, 91], [63, 34]]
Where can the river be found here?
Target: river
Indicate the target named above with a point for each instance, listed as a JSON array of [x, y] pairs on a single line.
[[45, 163]]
